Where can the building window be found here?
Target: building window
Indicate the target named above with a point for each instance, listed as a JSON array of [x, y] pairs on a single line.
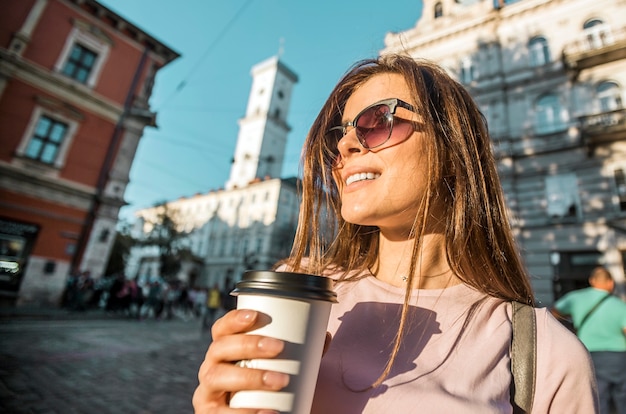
[[104, 235], [82, 57], [468, 71], [45, 143], [563, 200], [539, 51], [620, 188], [597, 34], [438, 10], [549, 115], [49, 267], [609, 96], [80, 63]]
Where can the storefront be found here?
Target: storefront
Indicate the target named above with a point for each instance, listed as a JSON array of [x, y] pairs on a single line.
[[17, 239]]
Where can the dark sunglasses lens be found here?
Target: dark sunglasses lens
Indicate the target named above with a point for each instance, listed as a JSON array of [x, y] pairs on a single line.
[[373, 127]]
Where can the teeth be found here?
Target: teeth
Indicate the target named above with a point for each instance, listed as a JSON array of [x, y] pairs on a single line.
[[361, 176]]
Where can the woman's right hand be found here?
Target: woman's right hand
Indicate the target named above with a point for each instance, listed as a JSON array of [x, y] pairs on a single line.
[[219, 376]]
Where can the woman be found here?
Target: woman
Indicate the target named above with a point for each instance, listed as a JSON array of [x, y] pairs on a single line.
[[402, 206]]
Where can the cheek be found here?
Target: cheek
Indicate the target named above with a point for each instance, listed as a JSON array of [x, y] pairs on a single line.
[[408, 171]]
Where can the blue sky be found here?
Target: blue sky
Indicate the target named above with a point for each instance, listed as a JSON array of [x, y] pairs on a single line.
[[201, 96]]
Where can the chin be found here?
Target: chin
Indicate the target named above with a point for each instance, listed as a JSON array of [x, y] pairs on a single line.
[[357, 219]]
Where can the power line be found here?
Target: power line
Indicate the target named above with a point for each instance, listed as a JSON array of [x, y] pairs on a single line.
[[208, 50]]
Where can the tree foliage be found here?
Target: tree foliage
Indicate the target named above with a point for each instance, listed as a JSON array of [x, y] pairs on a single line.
[[165, 234], [121, 249]]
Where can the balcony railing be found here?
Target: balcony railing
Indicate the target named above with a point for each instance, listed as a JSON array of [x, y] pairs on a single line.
[[594, 48], [604, 127]]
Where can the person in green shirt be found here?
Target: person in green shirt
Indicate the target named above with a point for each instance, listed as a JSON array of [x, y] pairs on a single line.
[[600, 321]]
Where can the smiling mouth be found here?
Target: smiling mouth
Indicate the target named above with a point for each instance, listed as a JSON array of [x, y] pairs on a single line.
[[360, 177]]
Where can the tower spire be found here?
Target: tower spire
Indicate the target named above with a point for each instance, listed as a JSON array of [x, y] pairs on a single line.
[[263, 131]]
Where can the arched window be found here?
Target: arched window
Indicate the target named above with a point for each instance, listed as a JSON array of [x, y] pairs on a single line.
[[438, 10], [550, 116], [609, 96], [538, 51], [597, 33]]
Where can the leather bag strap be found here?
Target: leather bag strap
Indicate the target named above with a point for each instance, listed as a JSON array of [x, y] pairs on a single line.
[[523, 357]]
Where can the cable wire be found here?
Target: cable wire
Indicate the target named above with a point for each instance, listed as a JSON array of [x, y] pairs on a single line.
[[208, 50]]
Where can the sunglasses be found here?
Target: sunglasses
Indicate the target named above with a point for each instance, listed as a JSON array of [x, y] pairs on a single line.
[[374, 124]]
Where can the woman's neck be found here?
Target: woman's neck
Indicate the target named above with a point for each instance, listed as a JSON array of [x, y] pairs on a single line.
[[431, 269]]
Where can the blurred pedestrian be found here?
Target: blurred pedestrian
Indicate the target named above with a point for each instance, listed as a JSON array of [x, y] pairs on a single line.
[[599, 318], [135, 298], [153, 304], [67, 298], [85, 290], [229, 302], [213, 306], [170, 298], [99, 286], [200, 302], [184, 302], [116, 293]]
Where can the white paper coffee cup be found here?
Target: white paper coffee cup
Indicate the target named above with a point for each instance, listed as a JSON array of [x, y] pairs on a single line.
[[298, 306]]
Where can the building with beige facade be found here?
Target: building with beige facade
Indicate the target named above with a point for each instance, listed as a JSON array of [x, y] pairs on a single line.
[[250, 223], [550, 77]]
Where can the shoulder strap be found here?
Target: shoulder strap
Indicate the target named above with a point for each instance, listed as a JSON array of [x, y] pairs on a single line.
[[596, 306], [523, 357]]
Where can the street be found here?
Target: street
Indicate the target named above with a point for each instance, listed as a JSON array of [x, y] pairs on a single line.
[[107, 365]]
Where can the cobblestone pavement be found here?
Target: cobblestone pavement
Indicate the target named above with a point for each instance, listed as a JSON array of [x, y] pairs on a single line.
[[107, 365]]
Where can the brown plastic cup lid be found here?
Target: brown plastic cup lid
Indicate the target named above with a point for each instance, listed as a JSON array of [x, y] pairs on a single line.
[[286, 284]]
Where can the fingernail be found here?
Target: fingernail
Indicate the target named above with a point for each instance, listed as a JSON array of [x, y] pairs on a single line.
[[271, 345], [275, 380], [246, 315]]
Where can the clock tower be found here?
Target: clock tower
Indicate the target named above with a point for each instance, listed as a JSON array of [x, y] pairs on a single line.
[[263, 131]]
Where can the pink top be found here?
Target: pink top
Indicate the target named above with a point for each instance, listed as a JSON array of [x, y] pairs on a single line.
[[455, 357]]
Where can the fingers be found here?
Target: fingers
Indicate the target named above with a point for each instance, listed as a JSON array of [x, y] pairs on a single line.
[[219, 380], [229, 346], [219, 370], [234, 321], [233, 348], [237, 321], [219, 375], [202, 405], [235, 378]]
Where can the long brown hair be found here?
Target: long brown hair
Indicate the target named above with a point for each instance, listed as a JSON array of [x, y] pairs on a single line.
[[462, 177]]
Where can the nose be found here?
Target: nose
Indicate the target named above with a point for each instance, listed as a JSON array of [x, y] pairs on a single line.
[[349, 144]]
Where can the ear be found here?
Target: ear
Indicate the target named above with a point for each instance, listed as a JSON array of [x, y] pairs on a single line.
[[610, 285]]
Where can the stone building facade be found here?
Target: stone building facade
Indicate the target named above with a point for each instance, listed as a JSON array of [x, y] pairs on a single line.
[[250, 223], [550, 77]]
